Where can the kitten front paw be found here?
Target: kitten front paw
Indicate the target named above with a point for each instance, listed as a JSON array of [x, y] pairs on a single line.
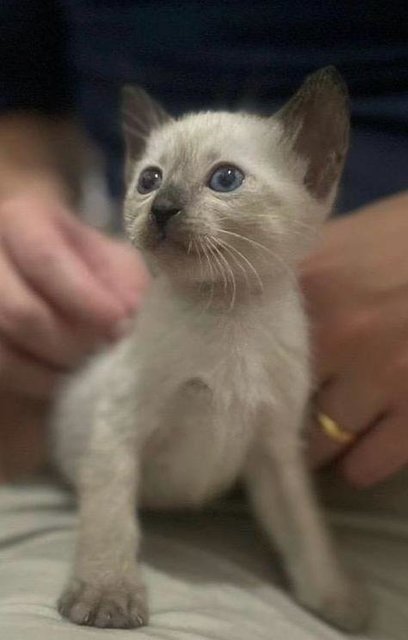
[[119, 605], [345, 605]]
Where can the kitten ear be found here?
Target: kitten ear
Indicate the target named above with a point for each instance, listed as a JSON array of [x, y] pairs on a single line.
[[316, 127], [140, 115]]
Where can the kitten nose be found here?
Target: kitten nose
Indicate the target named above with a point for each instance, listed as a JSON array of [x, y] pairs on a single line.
[[162, 210]]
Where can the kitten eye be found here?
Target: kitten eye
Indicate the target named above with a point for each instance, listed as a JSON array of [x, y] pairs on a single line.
[[226, 178], [149, 180]]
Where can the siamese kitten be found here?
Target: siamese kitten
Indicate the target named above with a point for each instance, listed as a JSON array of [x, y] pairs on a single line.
[[213, 383]]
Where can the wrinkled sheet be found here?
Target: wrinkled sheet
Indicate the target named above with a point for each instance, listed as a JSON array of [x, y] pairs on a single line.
[[210, 575]]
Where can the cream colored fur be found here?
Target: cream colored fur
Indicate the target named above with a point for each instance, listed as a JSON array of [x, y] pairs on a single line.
[[213, 383]]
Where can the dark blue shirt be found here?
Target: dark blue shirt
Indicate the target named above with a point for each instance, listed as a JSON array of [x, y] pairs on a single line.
[[67, 55]]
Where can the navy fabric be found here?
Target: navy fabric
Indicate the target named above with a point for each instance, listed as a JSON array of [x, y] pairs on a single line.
[[35, 68], [194, 54]]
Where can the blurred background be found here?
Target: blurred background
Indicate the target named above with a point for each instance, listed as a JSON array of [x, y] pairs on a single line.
[[65, 61]]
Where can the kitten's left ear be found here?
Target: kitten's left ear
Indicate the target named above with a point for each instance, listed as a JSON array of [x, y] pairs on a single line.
[[316, 127], [140, 115]]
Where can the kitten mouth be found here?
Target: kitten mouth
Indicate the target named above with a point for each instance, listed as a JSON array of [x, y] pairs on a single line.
[[166, 243], [170, 240], [180, 242], [194, 246]]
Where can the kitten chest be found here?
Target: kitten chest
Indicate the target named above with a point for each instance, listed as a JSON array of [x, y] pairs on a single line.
[[206, 429]]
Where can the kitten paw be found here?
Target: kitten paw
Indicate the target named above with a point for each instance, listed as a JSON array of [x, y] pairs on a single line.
[[346, 606], [121, 605]]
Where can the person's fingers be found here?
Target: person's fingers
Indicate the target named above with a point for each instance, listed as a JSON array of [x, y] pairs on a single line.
[[29, 323], [380, 453], [19, 372], [53, 268], [118, 266], [354, 403]]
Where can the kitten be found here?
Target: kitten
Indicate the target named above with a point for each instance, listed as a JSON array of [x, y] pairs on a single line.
[[213, 383]]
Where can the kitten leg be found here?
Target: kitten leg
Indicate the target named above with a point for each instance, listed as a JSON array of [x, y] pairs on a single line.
[[280, 489], [106, 589]]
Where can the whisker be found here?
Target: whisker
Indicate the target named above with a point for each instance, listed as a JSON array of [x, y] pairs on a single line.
[[276, 257], [254, 242], [219, 264], [227, 248], [210, 266], [296, 225], [243, 257], [231, 273], [197, 249]]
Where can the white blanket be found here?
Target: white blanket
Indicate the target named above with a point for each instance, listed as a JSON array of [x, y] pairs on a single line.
[[211, 576]]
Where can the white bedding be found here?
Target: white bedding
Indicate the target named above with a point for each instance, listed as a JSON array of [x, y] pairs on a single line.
[[211, 576]]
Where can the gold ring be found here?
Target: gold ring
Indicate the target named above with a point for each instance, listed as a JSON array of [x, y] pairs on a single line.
[[333, 430]]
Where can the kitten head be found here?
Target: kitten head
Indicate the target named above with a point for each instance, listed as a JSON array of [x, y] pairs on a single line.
[[214, 196]]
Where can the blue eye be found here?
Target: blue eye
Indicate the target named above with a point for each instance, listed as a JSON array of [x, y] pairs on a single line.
[[226, 178], [149, 180]]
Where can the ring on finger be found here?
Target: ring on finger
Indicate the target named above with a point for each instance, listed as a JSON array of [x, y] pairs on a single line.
[[333, 430]]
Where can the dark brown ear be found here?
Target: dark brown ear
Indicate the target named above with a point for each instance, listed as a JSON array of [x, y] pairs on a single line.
[[316, 127], [140, 115]]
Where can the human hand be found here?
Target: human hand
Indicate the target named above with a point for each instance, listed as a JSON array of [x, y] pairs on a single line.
[[64, 289], [356, 287]]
